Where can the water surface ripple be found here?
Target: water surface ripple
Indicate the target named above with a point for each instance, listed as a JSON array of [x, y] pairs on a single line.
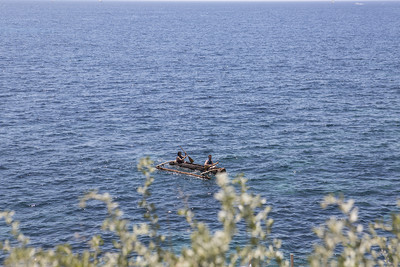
[[303, 98]]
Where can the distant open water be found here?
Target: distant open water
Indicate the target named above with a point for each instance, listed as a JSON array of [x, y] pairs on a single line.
[[304, 98]]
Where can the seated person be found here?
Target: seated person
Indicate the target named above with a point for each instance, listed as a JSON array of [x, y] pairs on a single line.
[[209, 163], [180, 158]]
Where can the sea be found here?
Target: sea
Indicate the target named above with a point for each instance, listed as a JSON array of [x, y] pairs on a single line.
[[303, 98]]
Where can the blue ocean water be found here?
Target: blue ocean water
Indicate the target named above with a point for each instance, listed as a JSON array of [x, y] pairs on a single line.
[[304, 98]]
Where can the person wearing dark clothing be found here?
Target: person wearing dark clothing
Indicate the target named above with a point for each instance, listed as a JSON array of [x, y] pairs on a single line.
[[209, 163], [180, 158]]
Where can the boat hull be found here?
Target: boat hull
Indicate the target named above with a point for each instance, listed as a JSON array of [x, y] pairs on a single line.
[[197, 167]]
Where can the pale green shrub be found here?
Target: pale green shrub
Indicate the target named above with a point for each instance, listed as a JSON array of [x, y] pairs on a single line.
[[344, 242], [206, 248]]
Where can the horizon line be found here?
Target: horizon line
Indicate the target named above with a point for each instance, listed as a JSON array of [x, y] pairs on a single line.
[[327, 1]]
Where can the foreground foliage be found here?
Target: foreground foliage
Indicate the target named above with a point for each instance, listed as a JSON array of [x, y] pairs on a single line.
[[206, 248], [343, 242]]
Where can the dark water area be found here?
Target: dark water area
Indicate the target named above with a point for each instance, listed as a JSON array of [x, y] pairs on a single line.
[[304, 98]]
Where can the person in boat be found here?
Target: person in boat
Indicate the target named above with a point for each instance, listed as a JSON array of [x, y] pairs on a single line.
[[209, 163], [180, 158]]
